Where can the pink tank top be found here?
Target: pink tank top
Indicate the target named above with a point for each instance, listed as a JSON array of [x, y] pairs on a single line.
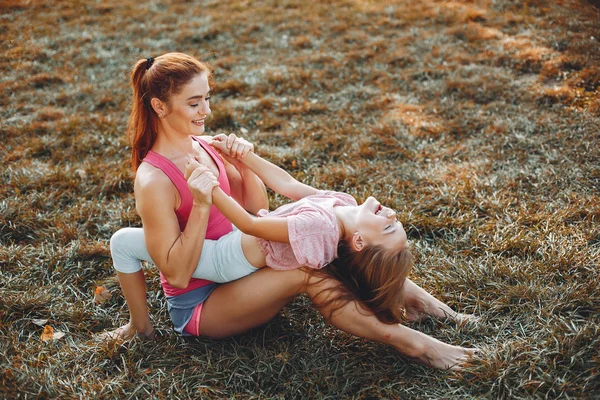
[[218, 225]]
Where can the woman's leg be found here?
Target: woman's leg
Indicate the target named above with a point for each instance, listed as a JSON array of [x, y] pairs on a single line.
[[221, 261], [420, 304], [355, 319], [134, 290], [252, 301], [249, 302]]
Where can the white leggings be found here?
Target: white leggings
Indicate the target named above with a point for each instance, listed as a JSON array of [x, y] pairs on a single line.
[[221, 260]]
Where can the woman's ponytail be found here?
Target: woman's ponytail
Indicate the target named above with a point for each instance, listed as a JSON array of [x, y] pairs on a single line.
[[142, 120]]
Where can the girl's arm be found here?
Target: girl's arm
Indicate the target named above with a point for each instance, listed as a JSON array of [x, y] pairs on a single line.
[[269, 228], [274, 177], [246, 188]]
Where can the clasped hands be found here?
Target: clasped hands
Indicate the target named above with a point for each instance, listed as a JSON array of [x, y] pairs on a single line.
[[201, 181]]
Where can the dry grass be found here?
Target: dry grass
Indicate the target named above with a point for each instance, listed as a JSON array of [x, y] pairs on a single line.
[[477, 120]]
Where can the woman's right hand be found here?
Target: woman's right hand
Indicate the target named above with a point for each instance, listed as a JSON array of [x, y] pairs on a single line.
[[201, 182], [231, 145]]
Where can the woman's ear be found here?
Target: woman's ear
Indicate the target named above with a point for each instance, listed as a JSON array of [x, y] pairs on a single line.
[[159, 107], [357, 242]]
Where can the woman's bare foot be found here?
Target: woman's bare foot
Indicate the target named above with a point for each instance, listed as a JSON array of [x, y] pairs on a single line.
[[417, 315], [429, 350], [446, 356], [126, 332], [414, 315], [461, 318]]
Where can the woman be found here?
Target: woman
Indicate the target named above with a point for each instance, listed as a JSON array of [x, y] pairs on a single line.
[[171, 102]]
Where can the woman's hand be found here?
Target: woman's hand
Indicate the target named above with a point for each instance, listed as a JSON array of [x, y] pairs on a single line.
[[232, 146], [201, 182]]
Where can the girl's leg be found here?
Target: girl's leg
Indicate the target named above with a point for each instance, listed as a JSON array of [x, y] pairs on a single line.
[[127, 247], [252, 301]]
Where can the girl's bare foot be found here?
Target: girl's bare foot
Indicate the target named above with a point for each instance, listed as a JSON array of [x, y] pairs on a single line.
[[126, 332]]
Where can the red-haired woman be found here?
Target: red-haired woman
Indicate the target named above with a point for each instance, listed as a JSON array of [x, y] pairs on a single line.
[[170, 104]]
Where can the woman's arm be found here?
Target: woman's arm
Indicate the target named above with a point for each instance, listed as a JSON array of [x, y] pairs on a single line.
[[273, 176], [175, 253], [245, 187]]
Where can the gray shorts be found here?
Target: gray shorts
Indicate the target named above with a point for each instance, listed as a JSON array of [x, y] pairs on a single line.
[[221, 260]]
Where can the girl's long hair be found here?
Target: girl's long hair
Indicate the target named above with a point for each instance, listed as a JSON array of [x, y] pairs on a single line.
[[373, 276], [160, 77]]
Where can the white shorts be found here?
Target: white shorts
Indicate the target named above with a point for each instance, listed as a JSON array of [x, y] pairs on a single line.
[[221, 260]]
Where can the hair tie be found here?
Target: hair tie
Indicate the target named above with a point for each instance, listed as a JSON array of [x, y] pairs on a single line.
[[149, 62]]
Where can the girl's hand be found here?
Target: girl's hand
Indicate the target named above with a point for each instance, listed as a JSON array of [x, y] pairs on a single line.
[[232, 146], [201, 182]]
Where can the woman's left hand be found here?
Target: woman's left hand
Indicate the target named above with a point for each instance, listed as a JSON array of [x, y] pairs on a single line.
[[232, 146]]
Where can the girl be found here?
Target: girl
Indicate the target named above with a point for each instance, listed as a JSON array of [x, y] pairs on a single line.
[[367, 245], [169, 107]]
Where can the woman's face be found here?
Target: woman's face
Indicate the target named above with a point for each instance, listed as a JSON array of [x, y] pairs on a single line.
[[189, 108]]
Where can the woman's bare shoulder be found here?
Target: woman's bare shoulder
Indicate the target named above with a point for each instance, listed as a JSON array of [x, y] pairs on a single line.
[[154, 192], [150, 178]]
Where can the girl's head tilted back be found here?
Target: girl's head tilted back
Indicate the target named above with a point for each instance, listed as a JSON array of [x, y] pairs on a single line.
[[162, 78], [374, 224], [374, 275], [373, 260]]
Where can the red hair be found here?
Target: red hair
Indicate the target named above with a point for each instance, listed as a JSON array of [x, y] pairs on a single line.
[[162, 78]]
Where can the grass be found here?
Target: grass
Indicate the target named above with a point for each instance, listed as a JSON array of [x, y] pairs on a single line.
[[477, 120]]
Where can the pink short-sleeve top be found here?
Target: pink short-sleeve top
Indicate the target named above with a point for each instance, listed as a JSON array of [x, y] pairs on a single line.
[[313, 231]]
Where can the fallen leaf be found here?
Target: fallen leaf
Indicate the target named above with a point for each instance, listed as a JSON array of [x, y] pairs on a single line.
[[40, 322], [81, 173], [101, 294], [50, 334], [285, 356]]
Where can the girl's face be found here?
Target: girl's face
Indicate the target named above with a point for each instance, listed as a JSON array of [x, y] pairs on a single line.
[[377, 225], [189, 108]]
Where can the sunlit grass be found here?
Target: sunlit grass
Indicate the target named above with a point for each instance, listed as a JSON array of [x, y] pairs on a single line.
[[477, 121]]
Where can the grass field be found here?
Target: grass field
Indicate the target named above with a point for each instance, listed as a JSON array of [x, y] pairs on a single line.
[[476, 119]]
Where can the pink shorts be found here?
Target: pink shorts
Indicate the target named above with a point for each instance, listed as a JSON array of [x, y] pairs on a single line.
[[192, 326]]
